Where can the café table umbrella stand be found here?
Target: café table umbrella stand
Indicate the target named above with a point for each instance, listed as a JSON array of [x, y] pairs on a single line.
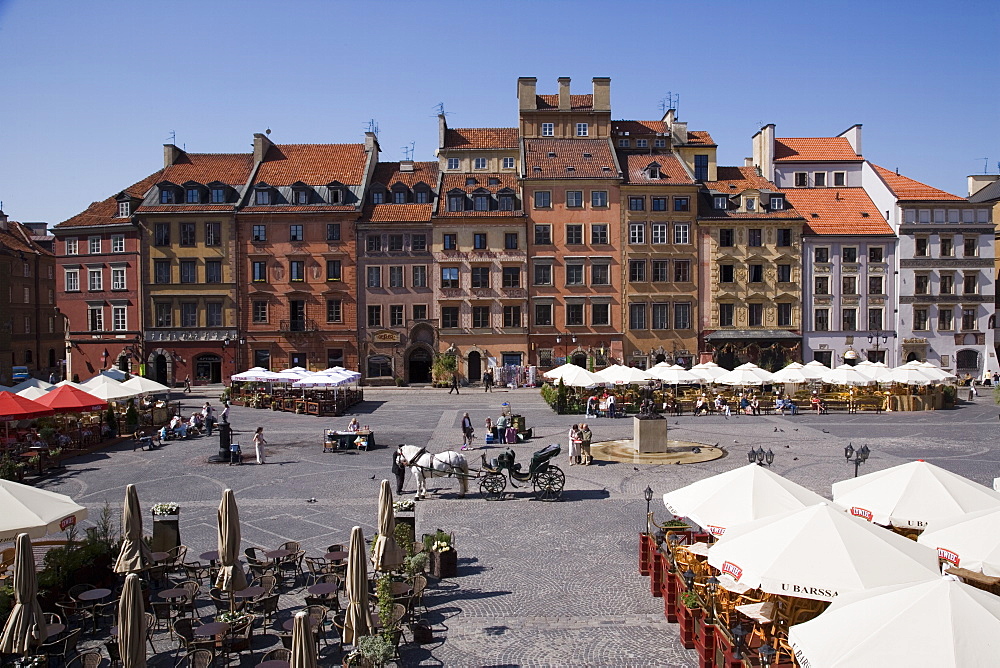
[[135, 555], [132, 624], [231, 576], [25, 629], [387, 555]]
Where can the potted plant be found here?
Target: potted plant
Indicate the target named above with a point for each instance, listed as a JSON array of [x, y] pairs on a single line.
[[371, 651], [690, 600], [443, 557], [169, 508]]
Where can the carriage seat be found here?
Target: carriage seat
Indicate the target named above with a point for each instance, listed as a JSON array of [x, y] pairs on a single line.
[[506, 460], [543, 455]]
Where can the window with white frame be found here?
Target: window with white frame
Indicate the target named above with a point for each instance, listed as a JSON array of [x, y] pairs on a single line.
[[95, 279], [95, 318], [72, 246], [682, 233], [259, 311], [659, 233], [117, 243], [661, 316], [124, 209], [840, 179], [777, 203], [118, 318], [479, 163], [682, 315], [94, 245], [374, 275], [720, 202], [508, 163], [118, 278], [72, 280], [598, 198], [641, 143], [637, 233], [452, 163], [819, 179], [27, 295], [574, 198], [582, 129], [624, 143], [548, 129], [659, 143], [801, 179], [599, 233], [419, 276]]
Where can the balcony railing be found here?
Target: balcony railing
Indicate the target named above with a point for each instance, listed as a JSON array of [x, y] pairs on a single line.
[[298, 325]]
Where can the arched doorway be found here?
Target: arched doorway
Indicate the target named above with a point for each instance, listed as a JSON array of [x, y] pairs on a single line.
[[579, 359], [967, 362], [913, 357], [160, 369], [475, 373], [208, 368], [418, 366]]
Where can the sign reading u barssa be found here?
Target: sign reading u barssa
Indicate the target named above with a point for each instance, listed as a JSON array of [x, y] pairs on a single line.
[[804, 590]]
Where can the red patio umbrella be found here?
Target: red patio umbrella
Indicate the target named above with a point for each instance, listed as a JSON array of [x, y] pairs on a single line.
[[14, 407], [67, 399]]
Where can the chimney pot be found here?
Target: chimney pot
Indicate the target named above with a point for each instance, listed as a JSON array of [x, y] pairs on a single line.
[[564, 104]]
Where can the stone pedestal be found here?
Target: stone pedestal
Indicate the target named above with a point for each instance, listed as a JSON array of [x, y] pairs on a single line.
[[649, 435]]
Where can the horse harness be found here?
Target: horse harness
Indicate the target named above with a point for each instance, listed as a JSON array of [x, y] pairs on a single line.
[[423, 451]]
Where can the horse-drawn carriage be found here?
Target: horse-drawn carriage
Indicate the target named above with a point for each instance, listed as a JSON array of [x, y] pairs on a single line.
[[546, 479]]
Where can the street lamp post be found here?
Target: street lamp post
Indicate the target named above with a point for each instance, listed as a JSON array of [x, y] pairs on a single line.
[[860, 456], [648, 494], [877, 339], [760, 457]]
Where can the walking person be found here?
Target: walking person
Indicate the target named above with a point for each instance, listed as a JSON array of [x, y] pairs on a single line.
[[586, 436], [575, 442], [399, 468], [258, 445], [224, 415], [187, 383], [467, 432], [488, 381], [454, 383]]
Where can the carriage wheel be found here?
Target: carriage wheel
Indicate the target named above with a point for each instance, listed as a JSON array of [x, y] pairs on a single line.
[[492, 486], [549, 484]]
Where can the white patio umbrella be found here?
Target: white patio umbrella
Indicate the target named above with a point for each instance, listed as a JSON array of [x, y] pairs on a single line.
[[249, 374], [35, 511], [292, 375], [745, 374], [941, 623], [63, 383], [873, 371], [574, 376], [818, 552], [970, 541], [708, 371], [111, 390], [619, 374], [325, 379], [912, 495], [935, 371], [845, 374], [144, 385], [673, 374], [814, 370], [113, 374], [32, 392], [736, 497], [790, 374], [908, 375], [31, 382]]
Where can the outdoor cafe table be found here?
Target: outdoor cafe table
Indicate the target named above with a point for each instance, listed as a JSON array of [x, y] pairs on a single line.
[[289, 623], [211, 630], [159, 556], [400, 588], [171, 594], [249, 592], [52, 630], [278, 554], [92, 596], [212, 555], [323, 588], [336, 556]]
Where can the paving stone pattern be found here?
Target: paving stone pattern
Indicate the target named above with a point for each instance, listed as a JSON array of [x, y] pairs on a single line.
[[540, 584]]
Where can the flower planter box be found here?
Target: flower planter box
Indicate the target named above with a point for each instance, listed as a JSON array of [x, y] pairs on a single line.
[[645, 543], [166, 532], [444, 564], [656, 569], [407, 517]]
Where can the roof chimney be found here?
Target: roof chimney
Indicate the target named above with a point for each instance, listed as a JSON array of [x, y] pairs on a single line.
[[526, 96], [763, 151], [564, 104], [170, 154], [371, 143], [406, 165], [979, 181], [602, 93], [260, 145], [3, 221], [853, 137]]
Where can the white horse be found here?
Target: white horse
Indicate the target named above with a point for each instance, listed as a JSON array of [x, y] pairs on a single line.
[[426, 465]]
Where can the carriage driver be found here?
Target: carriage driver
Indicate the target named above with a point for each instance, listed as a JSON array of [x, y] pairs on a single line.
[[399, 468]]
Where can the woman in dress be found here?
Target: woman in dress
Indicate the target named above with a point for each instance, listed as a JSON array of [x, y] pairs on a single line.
[[575, 443], [258, 445]]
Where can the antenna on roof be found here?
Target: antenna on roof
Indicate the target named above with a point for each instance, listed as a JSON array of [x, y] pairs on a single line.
[[439, 108], [409, 150], [172, 137], [670, 101], [373, 126], [986, 165]]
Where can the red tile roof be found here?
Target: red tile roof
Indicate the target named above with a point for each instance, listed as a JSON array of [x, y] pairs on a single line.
[[814, 149], [838, 211], [313, 164], [388, 173], [311, 208], [186, 208], [105, 212], [640, 127], [700, 137], [671, 170], [908, 189], [569, 153], [230, 168], [575, 101], [458, 181], [394, 213], [481, 138], [17, 238]]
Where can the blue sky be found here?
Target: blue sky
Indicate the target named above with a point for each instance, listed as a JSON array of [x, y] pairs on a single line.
[[92, 90]]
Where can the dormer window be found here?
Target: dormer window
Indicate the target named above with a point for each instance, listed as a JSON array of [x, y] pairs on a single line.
[[494, 181], [506, 202], [422, 196], [378, 197], [192, 196], [166, 196], [552, 154], [124, 209], [262, 196], [456, 201], [481, 202], [218, 195], [301, 196], [301, 193], [720, 202], [399, 197], [641, 143], [653, 171], [777, 203], [750, 203], [335, 193]]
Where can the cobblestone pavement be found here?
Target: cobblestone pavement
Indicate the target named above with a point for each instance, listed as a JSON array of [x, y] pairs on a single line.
[[540, 584]]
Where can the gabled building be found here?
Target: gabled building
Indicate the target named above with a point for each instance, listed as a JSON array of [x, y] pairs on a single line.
[[985, 189], [398, 338], [571, 182], [297, 225], [751, 270], [31, 327], [188, 220], [849, 291], [99, 281]]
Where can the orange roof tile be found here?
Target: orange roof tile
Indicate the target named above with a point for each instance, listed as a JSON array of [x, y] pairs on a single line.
[[394, 213], [907, 189], [17, 238], [569, 159], [640, 127], [482, 182], [313, 164], [311, 208], [186, 208], [700, 137], [230, 168], [814, 149], [671, 170], [388, 173], [575, 101], [481, 138], [838, 211], [105, 212]]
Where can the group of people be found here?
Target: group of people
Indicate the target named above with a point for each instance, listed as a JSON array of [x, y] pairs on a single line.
[[601, 403], [199, 422], [580, 438]]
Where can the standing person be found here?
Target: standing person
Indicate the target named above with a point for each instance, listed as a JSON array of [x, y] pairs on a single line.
[[467, 432], [454, 383], [490, 428], [488, 381], [586, 436], [208, 414], [611, 406], [258, 445], [575, 441], [399, 468], [52, 378], [187, 383], [224, 415]]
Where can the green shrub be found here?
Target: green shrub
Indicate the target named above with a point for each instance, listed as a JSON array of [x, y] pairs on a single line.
[[131, 417]]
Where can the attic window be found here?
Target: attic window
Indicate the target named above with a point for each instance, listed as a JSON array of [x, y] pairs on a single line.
[[218, 195], [166, 196], [552, 154], [494, 181], [720, 202], [262, 196], [124, 209], [605, 169], [571, 169], [536, 168], [777, 203], [192, 196], [654, 172], [588, 155], [301, 196], [864, 214], [470, 181], [815, 215], [334, 196]]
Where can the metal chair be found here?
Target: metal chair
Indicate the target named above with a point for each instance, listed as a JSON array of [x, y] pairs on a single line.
[[197, 658], [163, 611], [90, 659], [267, 606], [317, 617], [190, 601], [280, 654], [197, 571]]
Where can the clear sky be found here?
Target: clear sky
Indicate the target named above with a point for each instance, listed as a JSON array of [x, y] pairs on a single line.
[[93, 89]]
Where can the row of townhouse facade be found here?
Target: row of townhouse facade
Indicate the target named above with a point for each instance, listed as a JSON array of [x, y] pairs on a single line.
[[571, 237]]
